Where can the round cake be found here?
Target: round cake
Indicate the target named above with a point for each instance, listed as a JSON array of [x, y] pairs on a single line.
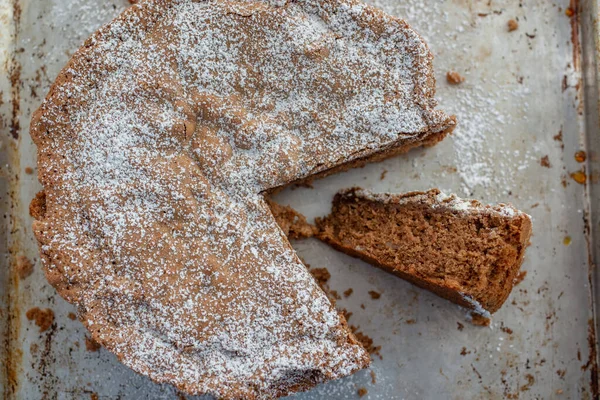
[[156, 146]]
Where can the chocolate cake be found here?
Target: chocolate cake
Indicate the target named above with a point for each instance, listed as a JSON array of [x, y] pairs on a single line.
[[462, 250], [156, 146]]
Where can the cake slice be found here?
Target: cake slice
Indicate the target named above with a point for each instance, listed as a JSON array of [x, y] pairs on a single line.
[[464, 251]]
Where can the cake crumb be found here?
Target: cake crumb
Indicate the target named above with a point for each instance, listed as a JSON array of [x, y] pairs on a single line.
[[29, 170], [348, 292], [322, 275], [460, 326], [362, 392], [91, 344], [520, 277], [506, 329], [373, 377], [72, 316], [335, 294], [558, 136], [454, 78], [559, 391], [545, 162], [24, 267], [362, 306], [383, 174], [94, 396], [374, 295], [43, 318], [347, 314], [480, 320], [292, 223], [464, 351], [513, 25], [411, 321], [366, 341]]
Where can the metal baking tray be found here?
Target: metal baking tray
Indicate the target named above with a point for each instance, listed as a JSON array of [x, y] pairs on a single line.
[[529, 102]]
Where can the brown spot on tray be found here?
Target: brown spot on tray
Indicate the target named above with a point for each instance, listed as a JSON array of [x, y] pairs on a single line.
[[476, 372], [545, 162], [383, 173], [373, 377], [561, 373], [361, 392], [580, 156], [529, 384], [91, 344], [94, 396], [454, 78], [15, 82], [592, 363], [460, 326], [374, 295], [348, 292], [558, 137], [28, 170], [579, 177], [24, 267], [573, 14], [512, 25], [43, 318], [72, 316], [464, 351], [411, 321]]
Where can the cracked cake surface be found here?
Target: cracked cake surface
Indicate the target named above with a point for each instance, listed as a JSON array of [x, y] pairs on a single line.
[[156, 144]]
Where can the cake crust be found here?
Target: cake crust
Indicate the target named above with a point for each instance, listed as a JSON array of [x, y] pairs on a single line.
[[464, 251], [156, 145]]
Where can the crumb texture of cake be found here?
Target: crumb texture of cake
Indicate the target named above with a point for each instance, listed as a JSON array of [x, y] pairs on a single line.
[[156, 145], [462, 250], [292, 223]]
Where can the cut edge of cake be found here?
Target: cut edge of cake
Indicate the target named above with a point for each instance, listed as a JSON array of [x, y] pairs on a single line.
[[502, 233]]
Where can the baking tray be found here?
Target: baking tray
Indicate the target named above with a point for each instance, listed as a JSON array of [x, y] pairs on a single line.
[[529, 96]]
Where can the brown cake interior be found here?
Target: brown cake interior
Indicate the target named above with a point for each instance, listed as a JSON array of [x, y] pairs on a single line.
[[451, 252]]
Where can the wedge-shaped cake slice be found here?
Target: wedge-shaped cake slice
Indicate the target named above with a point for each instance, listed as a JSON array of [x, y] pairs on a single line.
[[156, 145], [462, 250]]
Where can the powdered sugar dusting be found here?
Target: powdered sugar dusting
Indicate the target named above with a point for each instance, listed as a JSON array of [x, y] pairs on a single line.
[[436, 199], [477, 307], [154, 148]]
